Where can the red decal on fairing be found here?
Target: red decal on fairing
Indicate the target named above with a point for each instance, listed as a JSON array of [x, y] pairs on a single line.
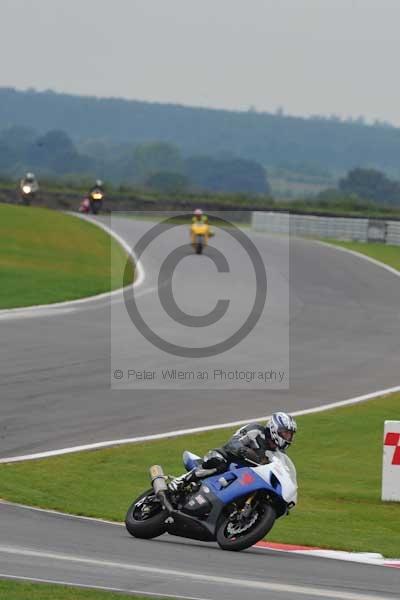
[[393, 439], [247, 479]]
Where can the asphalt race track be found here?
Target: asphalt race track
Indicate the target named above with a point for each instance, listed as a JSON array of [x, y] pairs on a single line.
[[55, 392], [58, 548], [55, 370]]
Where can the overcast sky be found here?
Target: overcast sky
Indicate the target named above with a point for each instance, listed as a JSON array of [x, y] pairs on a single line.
[[308, 56]]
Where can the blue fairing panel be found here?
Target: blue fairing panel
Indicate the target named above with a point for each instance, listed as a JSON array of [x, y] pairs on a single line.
[[245, 482]]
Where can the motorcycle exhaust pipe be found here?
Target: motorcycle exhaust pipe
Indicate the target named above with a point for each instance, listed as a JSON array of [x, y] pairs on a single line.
[[159, 486]]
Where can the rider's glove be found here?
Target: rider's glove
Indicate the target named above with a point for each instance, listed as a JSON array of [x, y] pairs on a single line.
[[248, 453]]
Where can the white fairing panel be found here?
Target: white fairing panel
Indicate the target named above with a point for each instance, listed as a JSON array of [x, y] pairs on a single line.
[[284, 470]]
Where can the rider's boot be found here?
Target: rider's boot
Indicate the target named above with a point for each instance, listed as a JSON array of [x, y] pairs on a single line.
[[193, 476]]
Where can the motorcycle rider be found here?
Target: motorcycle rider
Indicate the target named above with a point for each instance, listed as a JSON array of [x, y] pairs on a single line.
[[96, 197], [199, 218], [29, 180], [98, 187], [249, 443]]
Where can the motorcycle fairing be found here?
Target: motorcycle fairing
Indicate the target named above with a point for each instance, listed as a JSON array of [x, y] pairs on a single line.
[[246, 481]]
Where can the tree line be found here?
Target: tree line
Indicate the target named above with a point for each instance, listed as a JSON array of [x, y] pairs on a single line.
[[270, 139], [157, 166]]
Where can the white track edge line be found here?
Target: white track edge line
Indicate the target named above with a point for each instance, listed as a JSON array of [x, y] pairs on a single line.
[[202, 577], [331, 245], [372, 558], [181, 432], [59, 513], [86, 586], [369, 259], [139, 278]]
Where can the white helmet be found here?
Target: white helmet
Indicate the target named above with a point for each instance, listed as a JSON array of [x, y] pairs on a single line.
[[198, 212], [281, 429]]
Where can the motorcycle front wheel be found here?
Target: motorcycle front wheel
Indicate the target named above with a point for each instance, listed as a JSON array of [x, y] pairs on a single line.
[[146, 517], [234, 534]]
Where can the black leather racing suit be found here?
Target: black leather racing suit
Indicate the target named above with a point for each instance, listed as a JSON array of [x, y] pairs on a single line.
[[250, 441]]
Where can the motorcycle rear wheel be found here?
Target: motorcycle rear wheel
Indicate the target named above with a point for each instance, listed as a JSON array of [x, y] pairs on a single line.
[[146, 527], [254, 534]]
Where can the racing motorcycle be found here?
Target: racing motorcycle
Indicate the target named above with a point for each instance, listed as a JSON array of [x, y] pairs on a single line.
[[27, 194], [200, 234], [236, 509], [96, 201]]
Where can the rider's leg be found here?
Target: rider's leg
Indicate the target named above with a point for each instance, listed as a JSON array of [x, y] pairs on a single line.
[[213, 462]]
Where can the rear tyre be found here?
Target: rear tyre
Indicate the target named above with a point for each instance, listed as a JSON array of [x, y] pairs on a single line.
[[264, 515], [199, 248], [145, 517]]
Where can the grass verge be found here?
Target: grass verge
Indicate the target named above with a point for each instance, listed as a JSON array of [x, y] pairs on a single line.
[[16, 590], [386, 253], [338, 455], [47, 256]]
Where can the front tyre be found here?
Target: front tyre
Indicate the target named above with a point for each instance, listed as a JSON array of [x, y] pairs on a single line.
[[235, 534], [146, 517]]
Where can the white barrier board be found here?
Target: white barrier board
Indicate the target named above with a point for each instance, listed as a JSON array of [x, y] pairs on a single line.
[[391, 462]]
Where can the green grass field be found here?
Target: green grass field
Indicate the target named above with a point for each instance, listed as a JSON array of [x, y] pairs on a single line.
[[338, 455], [47, 256], [387, 254], [16, 590]]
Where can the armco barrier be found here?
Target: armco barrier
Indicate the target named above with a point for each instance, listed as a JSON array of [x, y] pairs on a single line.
[[339, 228], [393, 233]]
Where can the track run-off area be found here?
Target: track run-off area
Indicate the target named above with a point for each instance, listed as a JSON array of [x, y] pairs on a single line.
[[55, 390]]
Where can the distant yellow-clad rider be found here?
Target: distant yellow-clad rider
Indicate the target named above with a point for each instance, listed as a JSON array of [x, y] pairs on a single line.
[[199, 218]]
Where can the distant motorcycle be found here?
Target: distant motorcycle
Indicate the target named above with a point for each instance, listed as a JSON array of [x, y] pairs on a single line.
[[200, 233], [27, 194], [96, 198], [28, 188], [236, 509]]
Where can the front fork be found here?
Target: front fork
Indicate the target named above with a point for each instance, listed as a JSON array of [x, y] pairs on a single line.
[[247, 508]]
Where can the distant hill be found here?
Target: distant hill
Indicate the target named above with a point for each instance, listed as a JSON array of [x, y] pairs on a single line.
[[271, 139]]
